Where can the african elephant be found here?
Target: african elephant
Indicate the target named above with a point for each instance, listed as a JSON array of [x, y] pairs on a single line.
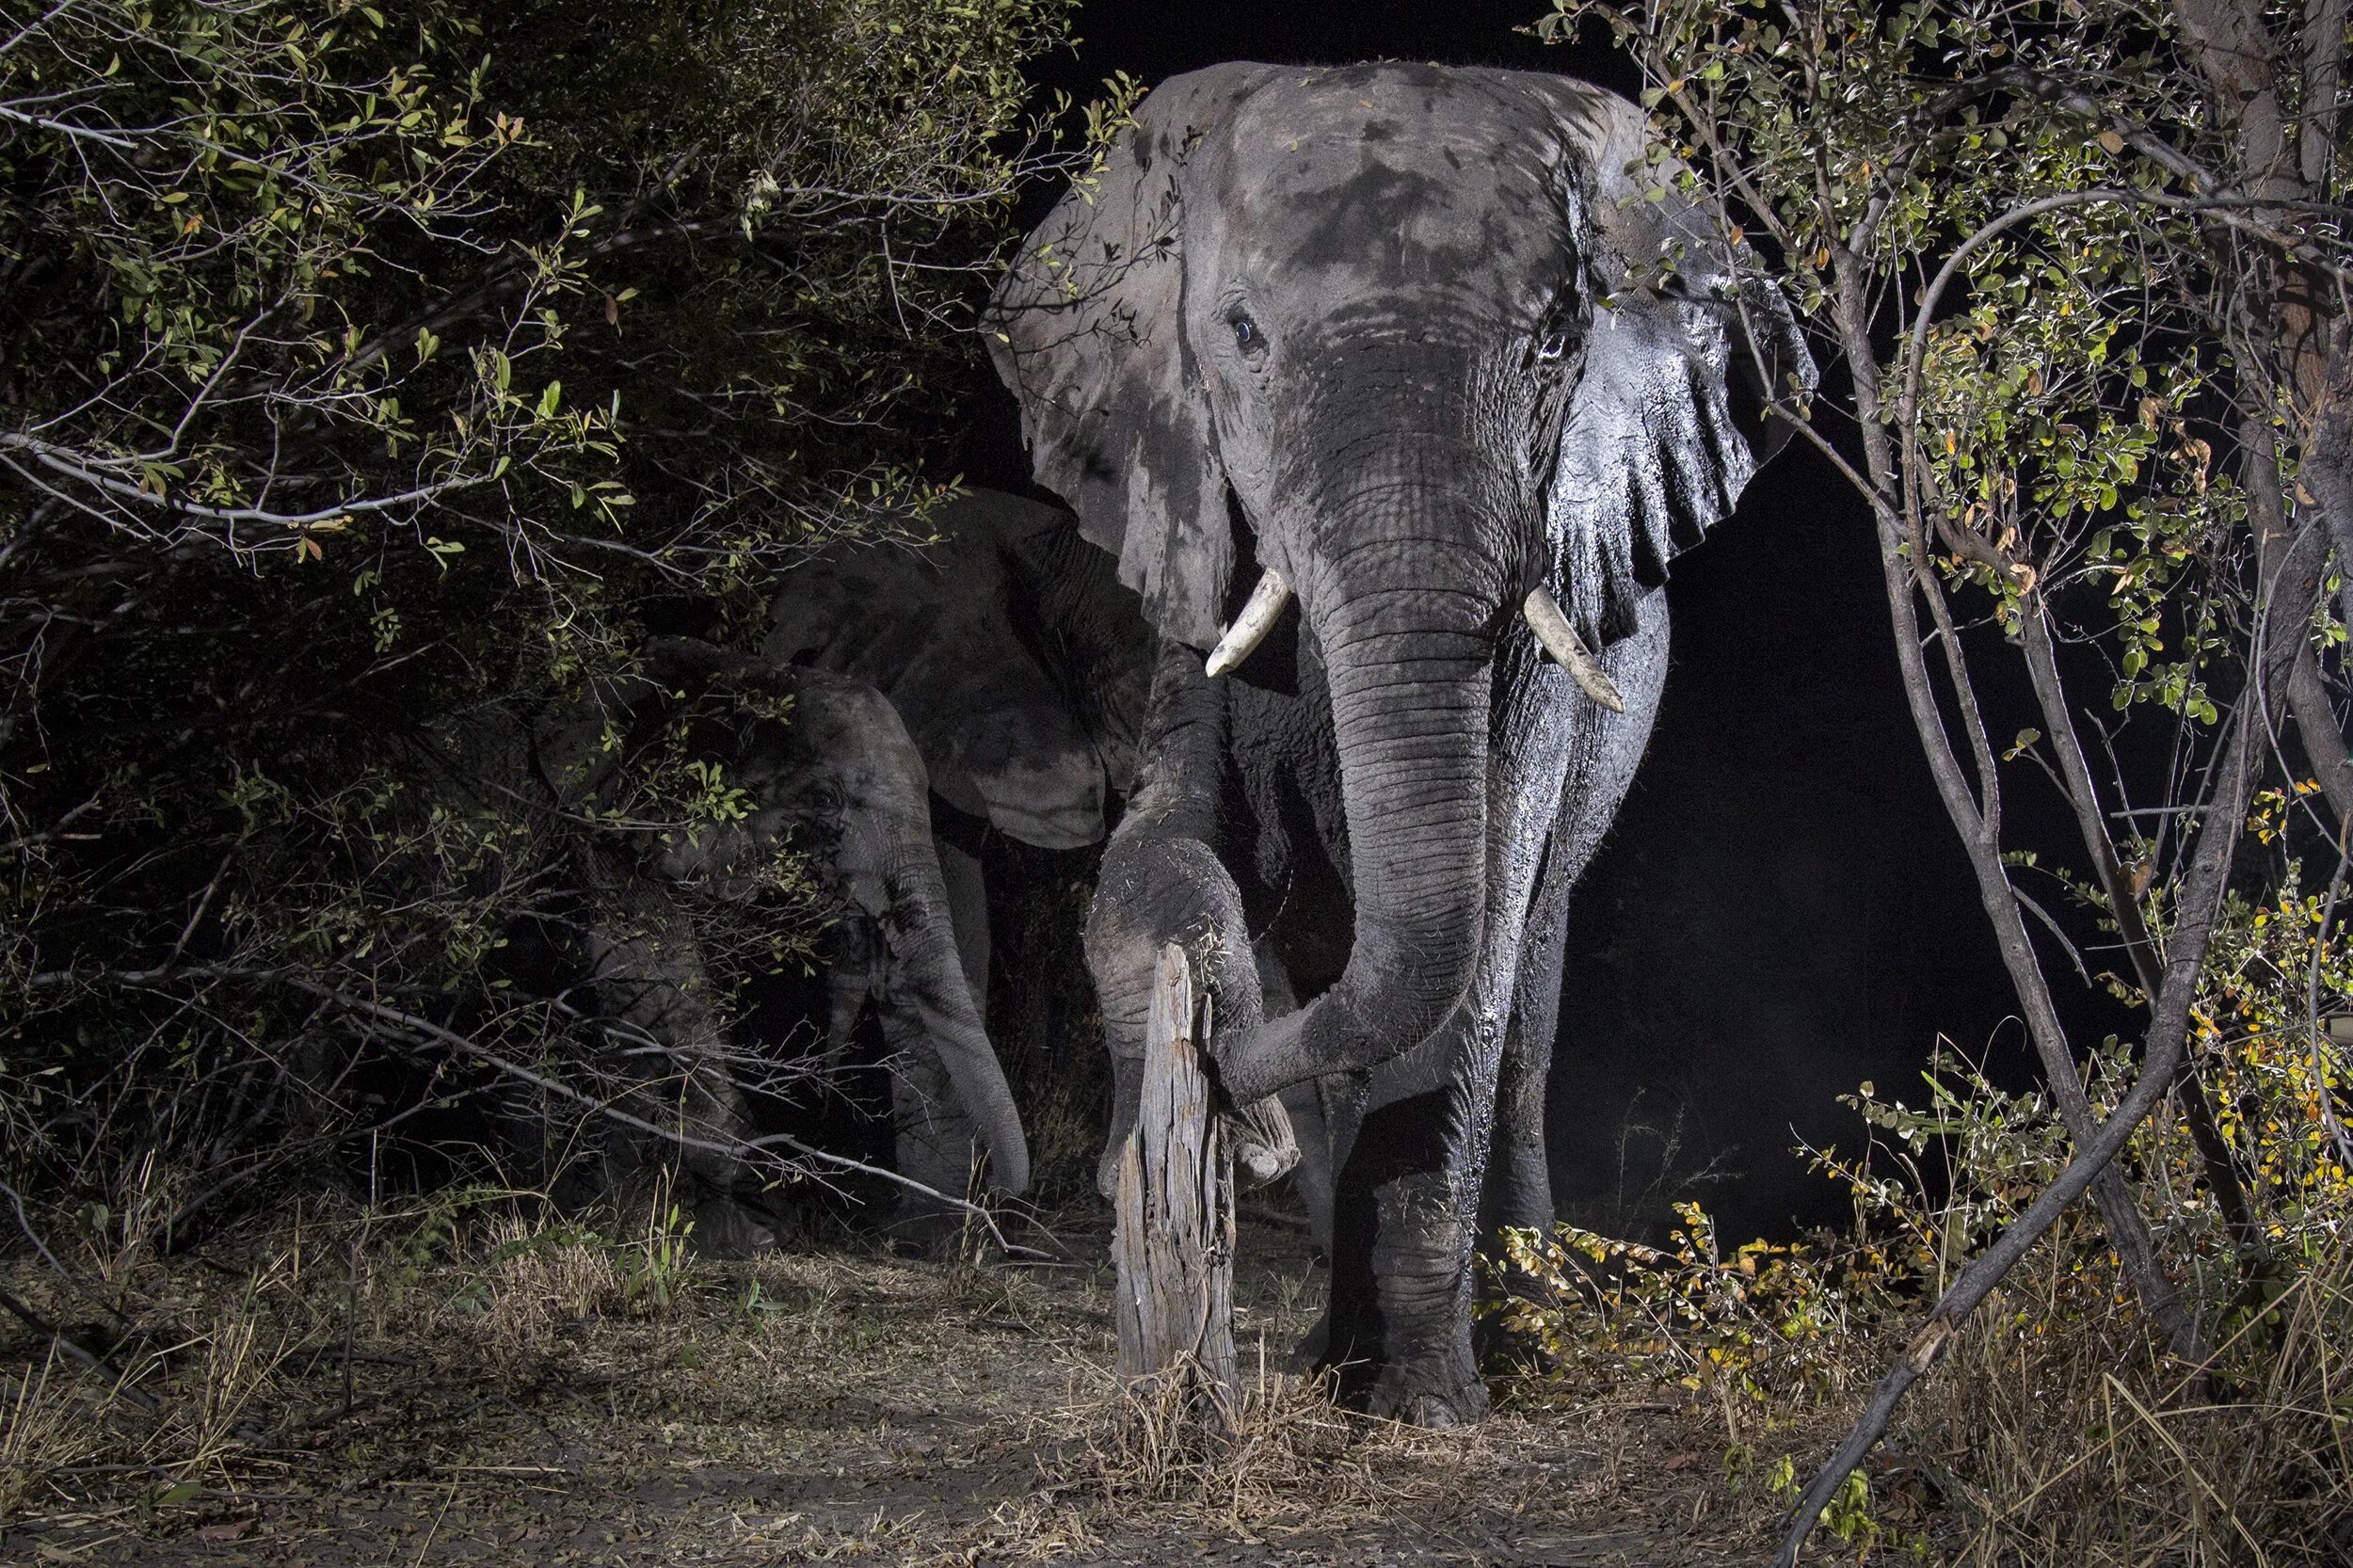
[[1395, 387], [824, 764]]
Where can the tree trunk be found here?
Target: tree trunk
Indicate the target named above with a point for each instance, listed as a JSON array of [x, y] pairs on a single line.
[[1172, 1239]]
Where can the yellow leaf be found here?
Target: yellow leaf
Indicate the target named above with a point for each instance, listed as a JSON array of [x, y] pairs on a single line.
[[2113, 142]]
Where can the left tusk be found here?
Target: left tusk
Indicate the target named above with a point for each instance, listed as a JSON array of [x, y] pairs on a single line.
[[1250, 628], [1561, 640]]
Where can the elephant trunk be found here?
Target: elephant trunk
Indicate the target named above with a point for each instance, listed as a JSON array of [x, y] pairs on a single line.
[[931, 978], [1409, 659]]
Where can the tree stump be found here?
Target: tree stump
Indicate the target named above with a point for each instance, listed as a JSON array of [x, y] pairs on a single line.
[[1173, 1236]]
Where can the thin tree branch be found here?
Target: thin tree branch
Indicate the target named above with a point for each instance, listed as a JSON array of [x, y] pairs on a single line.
[[2201, 902]]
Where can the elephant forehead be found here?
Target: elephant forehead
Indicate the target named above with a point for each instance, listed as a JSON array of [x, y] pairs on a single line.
[[1379, 176], [849, 729]]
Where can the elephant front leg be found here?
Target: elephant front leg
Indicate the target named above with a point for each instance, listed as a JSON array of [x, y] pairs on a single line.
[[1154, 890], [1519, 1169], [1162, 882], [1398, 1329]]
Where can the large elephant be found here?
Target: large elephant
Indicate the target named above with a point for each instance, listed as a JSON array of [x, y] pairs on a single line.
[[823, 763], [1446, 360]]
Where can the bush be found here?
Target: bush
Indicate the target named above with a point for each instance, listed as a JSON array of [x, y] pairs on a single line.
[[2060, 1430], [368, 383]]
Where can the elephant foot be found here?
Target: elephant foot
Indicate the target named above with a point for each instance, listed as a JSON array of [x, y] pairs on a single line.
[[1427, 1396], [726, 1230], [1260, 1137], [1430, 1390]]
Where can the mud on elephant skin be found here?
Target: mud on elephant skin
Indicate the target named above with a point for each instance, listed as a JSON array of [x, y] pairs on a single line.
[[819, 763], [1395, 387]]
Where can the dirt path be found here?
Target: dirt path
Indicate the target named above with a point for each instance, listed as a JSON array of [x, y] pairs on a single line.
[[848, 1407]]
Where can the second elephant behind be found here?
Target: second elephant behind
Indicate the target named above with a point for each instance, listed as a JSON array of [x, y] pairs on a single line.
[[782, 758]]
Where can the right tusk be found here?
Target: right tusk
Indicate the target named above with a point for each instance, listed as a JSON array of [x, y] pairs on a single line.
[[1567, 649], [1250, 628]]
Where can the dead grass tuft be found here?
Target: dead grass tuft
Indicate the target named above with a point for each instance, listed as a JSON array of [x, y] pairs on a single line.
[[2079, 1444], [48, 1422], [528, 1281], [1150, 1445]]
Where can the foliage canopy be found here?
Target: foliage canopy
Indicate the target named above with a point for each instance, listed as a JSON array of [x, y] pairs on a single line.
[[368, 376]]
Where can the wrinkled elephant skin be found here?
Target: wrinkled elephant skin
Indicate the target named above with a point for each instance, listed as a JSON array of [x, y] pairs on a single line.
[[1409, 360]]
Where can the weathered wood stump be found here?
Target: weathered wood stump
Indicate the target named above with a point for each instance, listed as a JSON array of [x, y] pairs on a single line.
[[1173, 1236]]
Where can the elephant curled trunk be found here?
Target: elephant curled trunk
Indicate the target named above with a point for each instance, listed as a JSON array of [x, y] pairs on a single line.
[[1410, 669]]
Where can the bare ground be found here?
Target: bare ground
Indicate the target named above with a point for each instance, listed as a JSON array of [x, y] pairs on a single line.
[[847, 1406]]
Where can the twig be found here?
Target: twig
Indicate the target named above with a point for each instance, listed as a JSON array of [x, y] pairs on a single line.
[[95, 1362], [2169, 1038], [615, 1114]]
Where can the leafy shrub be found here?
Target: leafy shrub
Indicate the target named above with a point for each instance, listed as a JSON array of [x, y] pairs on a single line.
[[370, 381], [2058, 1430]]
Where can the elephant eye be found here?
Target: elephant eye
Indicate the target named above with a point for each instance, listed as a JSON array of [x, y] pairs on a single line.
[[1246, 334], [825, 796], [1556, 335]]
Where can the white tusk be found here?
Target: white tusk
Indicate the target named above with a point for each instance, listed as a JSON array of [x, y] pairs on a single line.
[[1561, 640], [1250, 628]]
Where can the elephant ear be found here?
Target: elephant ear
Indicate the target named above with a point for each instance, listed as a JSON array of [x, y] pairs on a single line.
[[1086, 330], [1684, 350]]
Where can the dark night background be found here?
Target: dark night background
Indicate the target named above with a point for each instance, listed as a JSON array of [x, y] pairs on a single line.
[[1782, 911]]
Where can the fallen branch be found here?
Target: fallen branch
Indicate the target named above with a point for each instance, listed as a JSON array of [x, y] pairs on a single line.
[[88, 1358]]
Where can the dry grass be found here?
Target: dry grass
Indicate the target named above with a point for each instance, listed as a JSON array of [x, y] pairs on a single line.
[[1121, 1446], [47, 1424], [527, 1281], [230, 1364], [2079, 1444], [496, 1389], [354, 1377]]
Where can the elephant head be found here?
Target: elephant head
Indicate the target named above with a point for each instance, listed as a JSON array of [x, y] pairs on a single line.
[[1446, 355], [823, 764], [1017, 660]]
